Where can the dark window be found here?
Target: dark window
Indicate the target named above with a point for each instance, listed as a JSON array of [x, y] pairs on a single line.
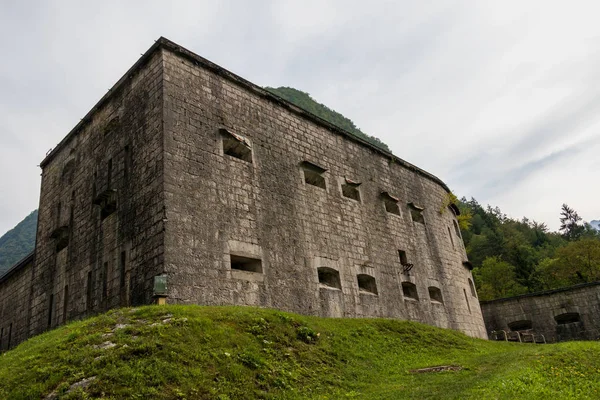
[[89, 291], [522, 325], [366, 283], [467, 300], [391, 203], [450, 236], [435, 294], [350, 190], [236, 146], [122, 266], [313, 174], [416, 213], [50, 309], [567, 318], [109, 174], [402, 256], [329, 277], [127, 162], [58, 212], [409, 290], [105, 280], [65, 303], [472, 286], [456, 229], [246, 264], [68, 170]]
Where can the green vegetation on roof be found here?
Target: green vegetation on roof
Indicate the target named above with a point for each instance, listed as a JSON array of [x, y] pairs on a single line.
[[193, 352], [304, 101]]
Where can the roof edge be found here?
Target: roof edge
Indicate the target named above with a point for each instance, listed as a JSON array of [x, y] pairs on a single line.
[[165, 43]]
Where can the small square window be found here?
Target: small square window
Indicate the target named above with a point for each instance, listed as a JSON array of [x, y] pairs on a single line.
[[391, 203], [236, 146], [313, 174], [409, 290], [329, 277], [416, 213], [350, 190]]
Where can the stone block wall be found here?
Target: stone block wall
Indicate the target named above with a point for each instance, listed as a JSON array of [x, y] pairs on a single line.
[[15, 294], [258, 206], [100, 233], [563, 314]]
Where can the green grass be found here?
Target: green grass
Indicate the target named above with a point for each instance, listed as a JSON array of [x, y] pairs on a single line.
[[191, 352]]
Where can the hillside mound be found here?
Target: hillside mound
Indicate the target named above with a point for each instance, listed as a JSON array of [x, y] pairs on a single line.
[[193, 352]]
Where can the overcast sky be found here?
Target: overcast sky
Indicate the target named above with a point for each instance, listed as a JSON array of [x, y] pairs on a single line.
[[499, 99]]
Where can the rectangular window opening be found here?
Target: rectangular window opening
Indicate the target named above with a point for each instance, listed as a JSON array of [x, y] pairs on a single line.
[[450, 236], [366, 283], [435, 294], [50, 308], [351, 191], [313, 174], [109, 174], [329, 277], [122, 266], [105, 281], [88, 299], [402, 257], [456, 229], [409, 290], [467, 300], [127, 162], [236, 146], [416, 213], [246, 264], [65, 303], [391, 203]]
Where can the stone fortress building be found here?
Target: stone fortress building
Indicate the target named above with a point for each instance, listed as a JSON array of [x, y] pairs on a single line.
[[190, 185]]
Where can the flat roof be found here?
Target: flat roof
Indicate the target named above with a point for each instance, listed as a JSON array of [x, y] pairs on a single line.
[[163, 43]]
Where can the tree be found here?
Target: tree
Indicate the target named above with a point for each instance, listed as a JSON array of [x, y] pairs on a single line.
[[496, 278], [570, 223]]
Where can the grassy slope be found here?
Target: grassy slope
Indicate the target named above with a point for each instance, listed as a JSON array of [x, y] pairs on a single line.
[[239, 353]]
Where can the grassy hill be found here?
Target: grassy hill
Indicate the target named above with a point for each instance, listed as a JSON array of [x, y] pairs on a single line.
[[192, 352], [18, 242]]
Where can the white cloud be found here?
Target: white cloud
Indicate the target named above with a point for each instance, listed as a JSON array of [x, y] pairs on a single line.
[[498, 99]]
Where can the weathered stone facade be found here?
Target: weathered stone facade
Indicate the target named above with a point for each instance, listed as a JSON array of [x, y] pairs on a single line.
[[570, 313], [188, 172]]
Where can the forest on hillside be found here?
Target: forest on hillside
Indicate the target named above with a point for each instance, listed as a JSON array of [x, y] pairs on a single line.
[[512, 257], [18, 242], [304, 101]]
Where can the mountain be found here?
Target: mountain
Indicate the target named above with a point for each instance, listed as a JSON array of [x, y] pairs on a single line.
[[18, 242], [595, 224], [304, 101]]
